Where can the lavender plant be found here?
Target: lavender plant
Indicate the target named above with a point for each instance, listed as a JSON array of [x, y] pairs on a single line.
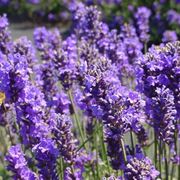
[[92, 104]]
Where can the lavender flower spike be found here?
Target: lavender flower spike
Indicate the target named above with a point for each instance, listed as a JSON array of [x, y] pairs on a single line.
[[46, 154], [142, 17], [18, 164]]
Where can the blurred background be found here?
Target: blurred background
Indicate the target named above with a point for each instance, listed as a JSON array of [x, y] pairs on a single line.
[[24, 15]]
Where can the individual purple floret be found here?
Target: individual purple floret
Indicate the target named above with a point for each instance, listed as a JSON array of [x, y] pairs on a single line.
[[169, 36], [46, 154], [18, 164], [115, 2], [142, 20]]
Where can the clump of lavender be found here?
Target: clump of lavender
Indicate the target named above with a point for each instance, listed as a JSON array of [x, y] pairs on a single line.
[[158, 80], [142, 19], [68, 149], [59, 57], [121, 49], [18, 164], [112, 104]]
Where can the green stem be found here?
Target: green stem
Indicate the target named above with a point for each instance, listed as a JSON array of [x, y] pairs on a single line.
[[76, 117], [155, 149], [61, 168], [96, 147], [123, 150], [132, 141], [166, 163], [145, 47], [7, 129], [104, 152], [160, 153], [172, 171], [83, 144]]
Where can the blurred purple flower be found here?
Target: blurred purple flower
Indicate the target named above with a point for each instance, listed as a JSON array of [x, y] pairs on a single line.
[[169, 36]]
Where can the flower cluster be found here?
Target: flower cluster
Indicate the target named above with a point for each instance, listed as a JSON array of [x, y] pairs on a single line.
[[142, 17], [18, 164], [140, 167], [158, 80]]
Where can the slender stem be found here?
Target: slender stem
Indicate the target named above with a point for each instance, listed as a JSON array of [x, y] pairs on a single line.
[[96, 147], [166, 163], [7, 129], [145, 47], [172, 171], [104, 152], [155, 149], [178, 170], [160, 153], [83, 144], [72, 169], [123, 150], [61, 168], [132, 141], [76, 117]]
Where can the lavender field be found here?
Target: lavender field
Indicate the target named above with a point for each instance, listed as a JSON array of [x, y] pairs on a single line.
[[90, 91]]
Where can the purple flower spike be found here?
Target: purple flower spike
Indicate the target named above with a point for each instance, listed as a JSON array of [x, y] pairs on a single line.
[[142, 17], [18, 164], [140, 167], [46, 154]]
